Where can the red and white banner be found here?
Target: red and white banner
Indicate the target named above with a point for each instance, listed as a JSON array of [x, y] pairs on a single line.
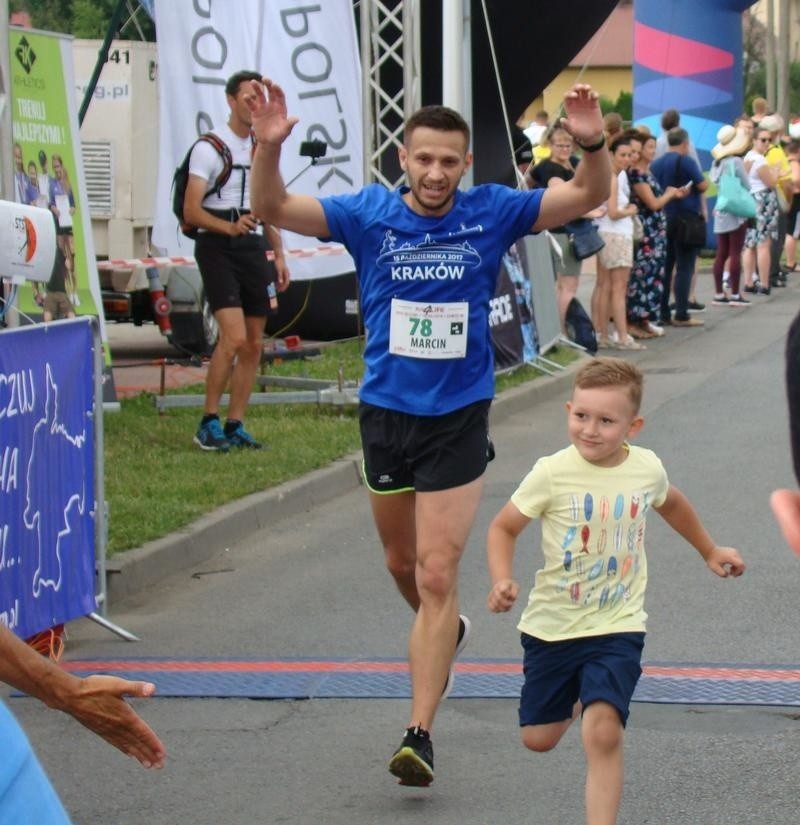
[[187, 260], [311, 50]]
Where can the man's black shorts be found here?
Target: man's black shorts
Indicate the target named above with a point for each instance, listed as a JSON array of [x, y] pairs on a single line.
[[424, 453], [235, 271]]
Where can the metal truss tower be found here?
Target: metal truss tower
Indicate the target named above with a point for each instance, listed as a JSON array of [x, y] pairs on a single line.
[[390, 64]]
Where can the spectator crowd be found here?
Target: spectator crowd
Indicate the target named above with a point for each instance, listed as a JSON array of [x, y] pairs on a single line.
[[658, 219]]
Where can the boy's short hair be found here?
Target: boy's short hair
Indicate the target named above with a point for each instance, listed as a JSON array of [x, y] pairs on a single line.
[[439, 118], [611, 372]]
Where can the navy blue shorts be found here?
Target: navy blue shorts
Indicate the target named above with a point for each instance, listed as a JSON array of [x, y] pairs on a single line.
[[405, 452], [592, 669]]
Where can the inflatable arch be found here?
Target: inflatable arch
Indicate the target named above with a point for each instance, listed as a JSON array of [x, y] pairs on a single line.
[[688, 56]]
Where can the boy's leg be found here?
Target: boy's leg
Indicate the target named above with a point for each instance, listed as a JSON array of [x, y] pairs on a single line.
[[549, 702], [608, 680], [602, 733], [543, 738]]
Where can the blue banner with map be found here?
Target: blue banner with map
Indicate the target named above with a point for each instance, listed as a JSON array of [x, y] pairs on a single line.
[[47, 474]]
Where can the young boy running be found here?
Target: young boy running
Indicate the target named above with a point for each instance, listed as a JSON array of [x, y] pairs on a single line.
[[584, 625]]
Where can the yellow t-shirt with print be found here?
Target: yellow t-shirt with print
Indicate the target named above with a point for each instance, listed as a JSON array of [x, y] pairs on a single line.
[[593, 527]]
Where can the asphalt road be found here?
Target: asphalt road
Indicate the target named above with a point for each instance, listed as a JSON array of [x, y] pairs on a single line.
[[315, 586]]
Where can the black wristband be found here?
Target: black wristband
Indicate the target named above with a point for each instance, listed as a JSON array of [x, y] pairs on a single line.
[[595, 147]]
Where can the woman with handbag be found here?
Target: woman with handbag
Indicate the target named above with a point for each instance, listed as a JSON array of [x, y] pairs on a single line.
[[646, 282], [615, 259], [735, 205], [758, 240], [554, 171]]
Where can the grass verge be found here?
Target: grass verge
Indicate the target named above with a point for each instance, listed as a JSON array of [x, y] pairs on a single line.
[[157, 481]]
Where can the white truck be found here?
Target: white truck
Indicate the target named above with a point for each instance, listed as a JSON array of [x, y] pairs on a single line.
[[119, 138]]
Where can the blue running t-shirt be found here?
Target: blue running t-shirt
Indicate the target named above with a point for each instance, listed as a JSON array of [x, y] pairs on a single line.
[[425, 286]]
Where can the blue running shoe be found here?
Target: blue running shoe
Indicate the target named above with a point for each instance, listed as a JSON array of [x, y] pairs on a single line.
[[241, 438], [210, 437]]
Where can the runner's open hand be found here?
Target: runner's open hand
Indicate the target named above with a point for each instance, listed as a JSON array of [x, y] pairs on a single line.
[[583, 118], [270, 121]]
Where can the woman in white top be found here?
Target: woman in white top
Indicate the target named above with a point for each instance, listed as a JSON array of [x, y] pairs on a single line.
[[615, 259], [758, 240]]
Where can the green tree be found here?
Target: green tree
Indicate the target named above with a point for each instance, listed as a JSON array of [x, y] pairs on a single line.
[[623, 106], [86, 18]]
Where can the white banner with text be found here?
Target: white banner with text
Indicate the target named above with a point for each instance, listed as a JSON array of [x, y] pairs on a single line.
[[310, 49]]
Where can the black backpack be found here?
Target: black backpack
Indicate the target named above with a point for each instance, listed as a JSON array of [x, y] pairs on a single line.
[[579, 327], [181, 178]]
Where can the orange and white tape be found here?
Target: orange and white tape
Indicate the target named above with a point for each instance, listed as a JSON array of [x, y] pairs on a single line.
[[134, 263]]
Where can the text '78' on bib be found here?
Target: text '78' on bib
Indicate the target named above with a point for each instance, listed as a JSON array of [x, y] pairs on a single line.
[[420, 330]]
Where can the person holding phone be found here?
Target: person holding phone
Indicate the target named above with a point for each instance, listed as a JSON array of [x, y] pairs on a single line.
[[677, 168], [646, 284]]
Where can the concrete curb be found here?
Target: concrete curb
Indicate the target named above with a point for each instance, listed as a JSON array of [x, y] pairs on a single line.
[[133, 571]]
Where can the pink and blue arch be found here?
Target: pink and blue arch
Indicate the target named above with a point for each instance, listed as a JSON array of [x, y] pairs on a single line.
[[688, 56]]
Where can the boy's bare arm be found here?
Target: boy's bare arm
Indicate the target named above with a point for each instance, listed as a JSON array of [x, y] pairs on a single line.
[[500, 545], [678, 512]]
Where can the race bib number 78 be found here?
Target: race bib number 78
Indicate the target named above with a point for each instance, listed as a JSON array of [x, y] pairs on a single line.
[[419, 330]]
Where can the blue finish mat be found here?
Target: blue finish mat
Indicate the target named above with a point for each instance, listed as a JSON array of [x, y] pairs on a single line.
[[666, 682]]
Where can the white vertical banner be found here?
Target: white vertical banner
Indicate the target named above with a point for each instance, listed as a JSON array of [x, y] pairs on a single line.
[[310, 49]]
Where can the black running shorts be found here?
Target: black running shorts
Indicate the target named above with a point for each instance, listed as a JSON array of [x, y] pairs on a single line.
[[235, 271], [405, 452]]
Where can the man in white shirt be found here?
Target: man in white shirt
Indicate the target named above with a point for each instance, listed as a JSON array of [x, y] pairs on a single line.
[[238, 280]]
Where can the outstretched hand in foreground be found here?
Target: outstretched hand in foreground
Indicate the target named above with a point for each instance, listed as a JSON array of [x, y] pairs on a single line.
[[99, 704], [583, 118], [270, 120]]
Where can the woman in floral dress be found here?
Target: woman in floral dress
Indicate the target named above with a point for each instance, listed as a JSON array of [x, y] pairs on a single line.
[[646, 283]]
